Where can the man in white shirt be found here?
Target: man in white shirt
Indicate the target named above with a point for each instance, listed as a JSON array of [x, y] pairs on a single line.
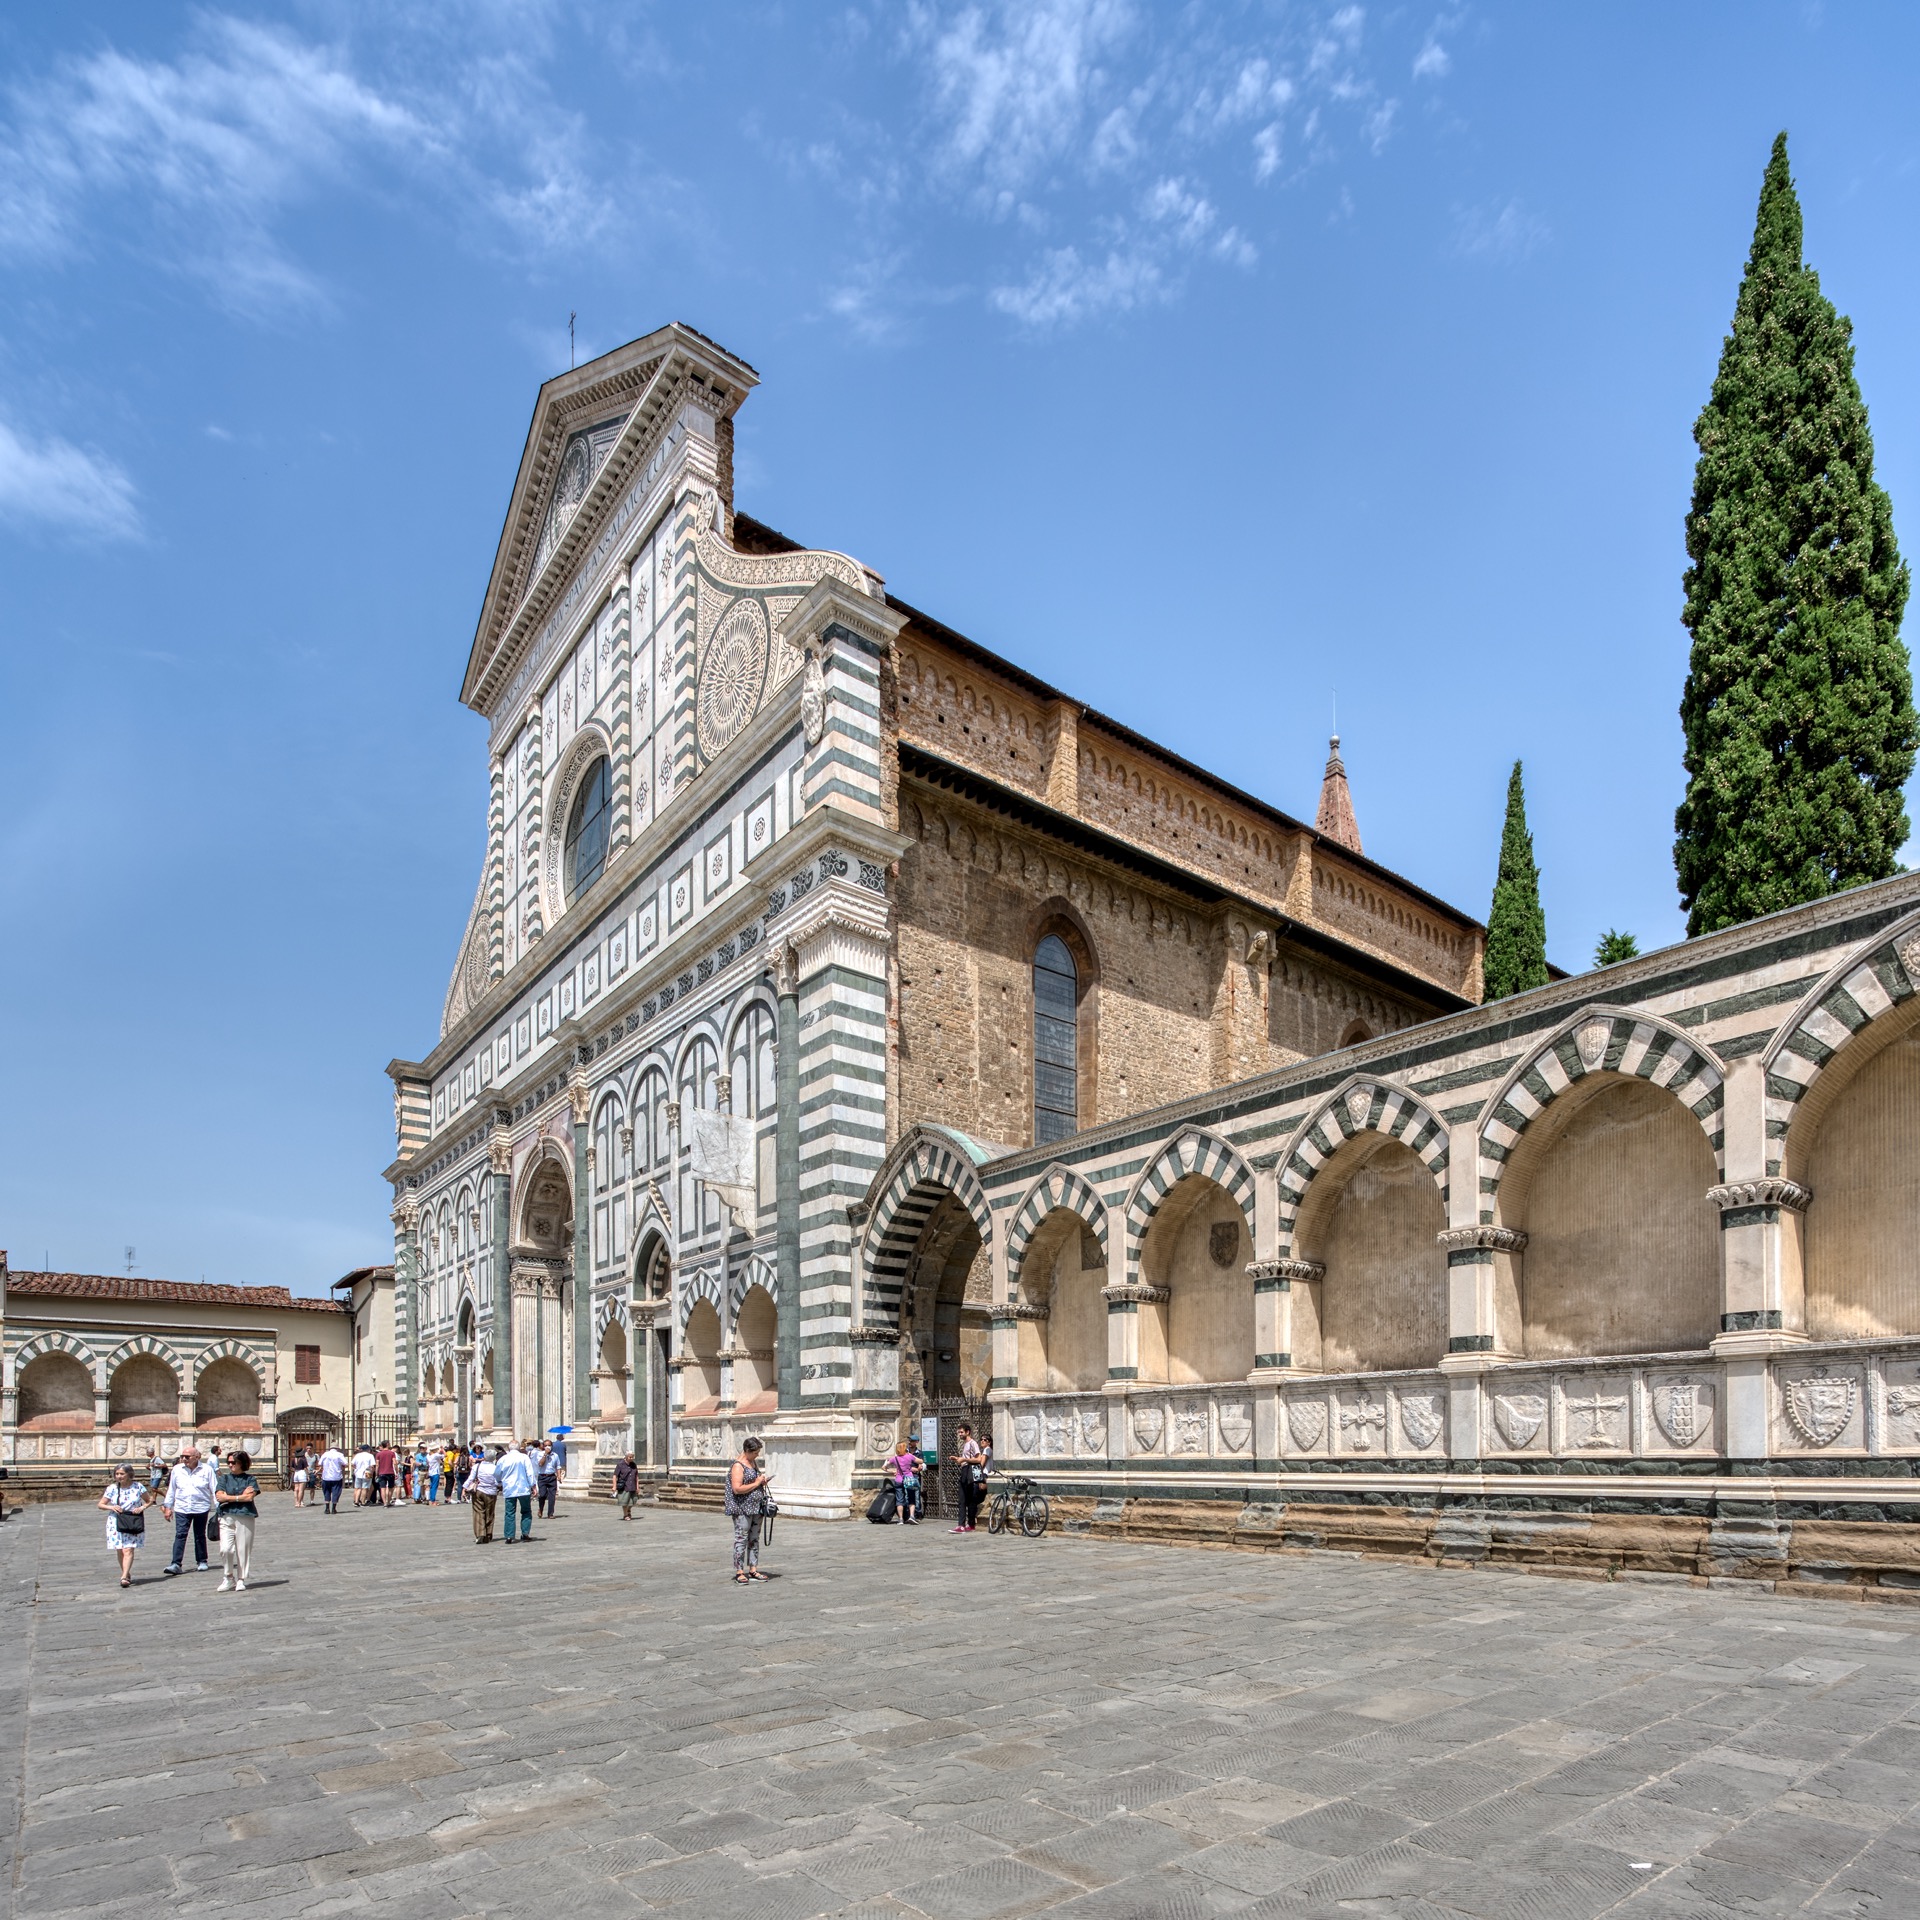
[[362, 1474], [188, 1501], [516, 1483], [333, 1471]]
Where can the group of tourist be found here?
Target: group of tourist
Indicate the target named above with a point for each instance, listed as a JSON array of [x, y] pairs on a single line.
[[520, 1473], [196, 1491], [388, 1476]]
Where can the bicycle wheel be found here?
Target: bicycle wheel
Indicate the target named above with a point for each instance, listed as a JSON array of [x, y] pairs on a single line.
[[997, 1514], [1033, 1515]]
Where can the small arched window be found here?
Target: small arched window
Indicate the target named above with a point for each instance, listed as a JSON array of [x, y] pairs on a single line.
[[1056, 1074], [587, 829]]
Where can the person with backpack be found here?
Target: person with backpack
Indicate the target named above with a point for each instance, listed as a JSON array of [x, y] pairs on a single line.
[[904, 1465], [626, 1485], [973, 1479], [748, 1504]]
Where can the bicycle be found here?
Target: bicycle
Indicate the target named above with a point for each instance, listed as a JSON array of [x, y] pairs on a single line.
[[1020, 1504]]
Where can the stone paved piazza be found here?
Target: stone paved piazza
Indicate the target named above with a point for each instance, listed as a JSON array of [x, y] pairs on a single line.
[[394, 1722]]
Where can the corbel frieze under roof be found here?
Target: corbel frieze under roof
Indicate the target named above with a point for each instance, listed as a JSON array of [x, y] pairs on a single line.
[[591, 429]]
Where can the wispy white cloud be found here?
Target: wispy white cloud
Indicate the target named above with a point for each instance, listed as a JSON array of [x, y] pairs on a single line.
[[1503, 230], [1015, 82], [53, 485], [196, 159], [1126, 137]]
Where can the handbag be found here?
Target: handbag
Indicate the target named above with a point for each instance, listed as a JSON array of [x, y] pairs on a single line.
[[130, 1522]]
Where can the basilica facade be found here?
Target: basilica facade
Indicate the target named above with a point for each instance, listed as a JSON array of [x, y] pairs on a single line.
[[781, 873]]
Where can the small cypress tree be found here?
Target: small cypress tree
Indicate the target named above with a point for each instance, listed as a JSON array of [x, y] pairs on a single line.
[[1516, 928], [1614, 947], [1798, 710]]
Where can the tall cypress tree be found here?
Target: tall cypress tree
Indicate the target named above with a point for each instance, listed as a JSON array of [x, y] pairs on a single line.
[[1516, 928], [1798, 710]]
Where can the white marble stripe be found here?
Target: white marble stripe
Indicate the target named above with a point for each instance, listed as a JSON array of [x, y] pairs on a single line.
[[1864, 984], [1828, 1029], [1642, 1038]]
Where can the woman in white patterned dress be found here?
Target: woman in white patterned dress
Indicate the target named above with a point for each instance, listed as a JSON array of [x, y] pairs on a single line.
[[125, 1500]]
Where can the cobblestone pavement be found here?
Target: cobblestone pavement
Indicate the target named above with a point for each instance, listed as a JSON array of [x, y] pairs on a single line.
[[392, 1721]]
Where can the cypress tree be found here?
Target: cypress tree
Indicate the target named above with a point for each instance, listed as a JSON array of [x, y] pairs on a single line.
[[1798, 710], [1614, 947], [1516, 928]]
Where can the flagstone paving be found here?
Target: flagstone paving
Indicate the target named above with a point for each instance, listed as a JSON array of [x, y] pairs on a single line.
[[392, 1721]]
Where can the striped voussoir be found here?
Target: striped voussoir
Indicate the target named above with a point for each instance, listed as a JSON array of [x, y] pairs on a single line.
[[1058, 1188], [755, 1271], [1359, 1106], [1190, 1152], [1869, 982], [929, 1172], [1600, 1040], [701, 1284]]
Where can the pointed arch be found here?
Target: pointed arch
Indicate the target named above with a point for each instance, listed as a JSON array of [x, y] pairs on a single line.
[[1880, 974], [702, 1284], [1597, 1040], [755, 1271], [1059, 1187], [141, 1343], [927, 1165], [56, 1342], [1359, 1104], [1194, 1150], [227, 1350], [612, 1307]]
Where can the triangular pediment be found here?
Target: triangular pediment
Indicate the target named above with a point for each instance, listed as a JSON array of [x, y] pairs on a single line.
[[591, 428]]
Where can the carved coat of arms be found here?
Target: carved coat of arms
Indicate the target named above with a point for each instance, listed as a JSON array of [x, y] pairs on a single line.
[[1359, 1105], [1026, 1431], [1236, 1425], [1223, 1242], [1519, 1417], [1421, 1418], [1149, 1423], [1093, 1429], [1190, 1427], [1306, 1422], [1059, 1433], [1683, 1409], [1819, 1406]]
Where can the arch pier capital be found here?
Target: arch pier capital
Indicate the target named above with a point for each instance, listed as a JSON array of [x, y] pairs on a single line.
[[1762, 1295], [1123, 1326], [1273, 1284], [1483, 1272]]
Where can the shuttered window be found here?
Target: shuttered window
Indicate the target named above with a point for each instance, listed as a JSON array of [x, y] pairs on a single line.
[[1056, 1077], [306, 1366]]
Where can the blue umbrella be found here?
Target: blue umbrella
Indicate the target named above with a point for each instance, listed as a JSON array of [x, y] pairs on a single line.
[[559, 1429]]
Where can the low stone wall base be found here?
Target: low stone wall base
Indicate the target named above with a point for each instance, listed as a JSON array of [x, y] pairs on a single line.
[[1834, 1559]]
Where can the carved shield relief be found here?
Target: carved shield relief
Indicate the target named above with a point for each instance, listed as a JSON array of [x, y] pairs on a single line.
[[1519, 1417], [1026, 1431], [1236, 1425], [1820, 1406], [1683, 1410], [1223, 1242], [1093, 1430], [1421, 1418], [1149, 1423], [1306, 1423], [1190, 1427]]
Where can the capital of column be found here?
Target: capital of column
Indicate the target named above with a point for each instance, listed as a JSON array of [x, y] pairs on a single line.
[[1010, 1311], [581, 1095], [1769, 1192], [406, 1213], [1278, 1275], [1481, 1240], [500, 1149], [1136, 1296], [874, 1336]]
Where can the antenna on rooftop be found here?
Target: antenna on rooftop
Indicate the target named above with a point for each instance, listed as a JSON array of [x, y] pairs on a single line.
[[129, 1262], [571, 361]]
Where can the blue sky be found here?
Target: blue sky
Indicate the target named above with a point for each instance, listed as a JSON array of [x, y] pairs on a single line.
[[1208, 361]]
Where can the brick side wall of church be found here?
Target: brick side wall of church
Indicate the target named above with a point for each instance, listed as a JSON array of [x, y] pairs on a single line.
[[964, 712], [972, 896]]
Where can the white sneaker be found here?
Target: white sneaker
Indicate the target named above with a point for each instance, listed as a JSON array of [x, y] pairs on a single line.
[[225, 1586], [239, 1586]]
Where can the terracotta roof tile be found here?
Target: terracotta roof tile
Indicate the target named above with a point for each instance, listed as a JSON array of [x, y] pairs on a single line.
[[114, 1286]]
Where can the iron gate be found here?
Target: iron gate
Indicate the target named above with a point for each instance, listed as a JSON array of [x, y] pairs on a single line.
[[943, 1484]]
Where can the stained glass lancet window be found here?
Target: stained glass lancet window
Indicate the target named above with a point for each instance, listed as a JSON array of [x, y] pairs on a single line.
[[1056, 1078]]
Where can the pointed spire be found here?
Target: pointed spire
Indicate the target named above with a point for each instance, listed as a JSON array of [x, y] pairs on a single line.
[[1335, 818]]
